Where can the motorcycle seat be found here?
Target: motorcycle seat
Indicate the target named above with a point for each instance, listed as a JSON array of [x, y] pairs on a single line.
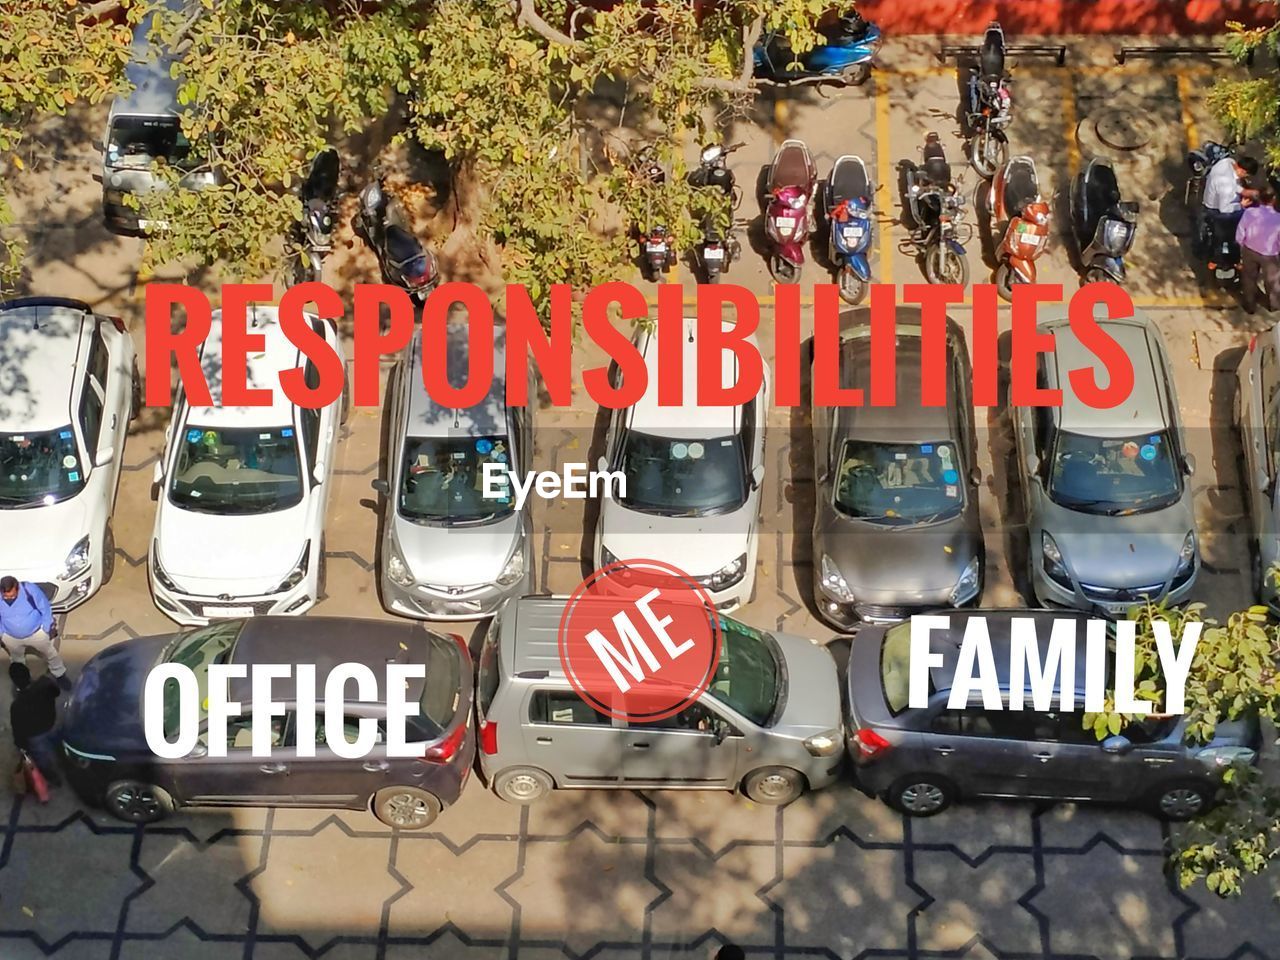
[[848, 182], [991, 57], [1020, 186], [937, 170], [790, 168]]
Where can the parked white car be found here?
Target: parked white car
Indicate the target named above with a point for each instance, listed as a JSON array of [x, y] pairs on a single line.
[[242, 491], [693, 476], [69, 387]]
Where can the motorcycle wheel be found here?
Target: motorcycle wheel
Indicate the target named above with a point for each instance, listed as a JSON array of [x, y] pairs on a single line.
[[1095, 275], [852, 287], [944, 265], [987, 152], [855, 75], [1005, 279], [783, 271]]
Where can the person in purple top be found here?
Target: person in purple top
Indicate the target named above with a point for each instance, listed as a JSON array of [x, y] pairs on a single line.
[[1258, 235]]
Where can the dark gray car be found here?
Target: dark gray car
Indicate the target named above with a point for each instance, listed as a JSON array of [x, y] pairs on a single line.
[[921, 760], [109, 763], [896, 525]]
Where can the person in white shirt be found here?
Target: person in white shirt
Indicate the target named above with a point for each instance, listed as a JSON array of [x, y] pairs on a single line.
[[1222, 202]]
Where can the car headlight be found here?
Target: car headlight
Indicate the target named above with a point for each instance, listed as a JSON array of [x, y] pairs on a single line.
[[966, 587], [77, 561], [1055, 567], [607, 557], [1226, 756], [397, 570], [514, 569], [824, 744], [1187, 555], [834, 583], [727, 575], [299, 571], [157, 571]]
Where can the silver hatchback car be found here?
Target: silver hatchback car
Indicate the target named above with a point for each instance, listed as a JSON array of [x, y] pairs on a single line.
[[1106, 498], [1258, 415], [770, 722]]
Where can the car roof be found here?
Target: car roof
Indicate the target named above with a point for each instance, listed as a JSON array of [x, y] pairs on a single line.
[[264, 368], [328, 642], [40, 343], [690, 419], [908, 419], [529, 640], [427, 418], [1145, 410]]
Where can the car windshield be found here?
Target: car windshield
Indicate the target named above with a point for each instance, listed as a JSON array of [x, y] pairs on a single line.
[[1114, 475], [155, 138], [683, 478], [895, 668], [747, 677], [440, 694], [196, 651], [237, 471], [898, 484], [442, 479], [37, 469]]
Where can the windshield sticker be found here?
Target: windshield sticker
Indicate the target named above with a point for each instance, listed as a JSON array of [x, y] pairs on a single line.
[[484, 445], [950, 476], [64, 434], [73, 476], [194, 434], [211, 438], [1129, 450], [69, 462], [696, 450], [926, 448], [1154, 438], [19, 438], [287, 432], [264, 436], [899, 456], [679, 451], [459, 455], [726, 443], [195, 493], [500, 458], [1148, 451], [952, 492]]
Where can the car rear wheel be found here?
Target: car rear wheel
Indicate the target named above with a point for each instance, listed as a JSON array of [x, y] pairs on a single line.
[[522, 785], [773, 786], [135, 392], [406, 808], [136, 802], [1181, 800], [921, 795], [108, 554]]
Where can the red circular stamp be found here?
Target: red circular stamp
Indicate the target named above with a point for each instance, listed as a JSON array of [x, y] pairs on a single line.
[[639, 641]]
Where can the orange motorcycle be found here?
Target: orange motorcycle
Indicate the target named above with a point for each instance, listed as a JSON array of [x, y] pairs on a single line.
[[1021, 218]]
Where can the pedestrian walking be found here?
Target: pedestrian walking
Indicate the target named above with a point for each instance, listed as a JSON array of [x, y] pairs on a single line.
[[1223, 193], [1259, 237], [27, 624], [33, 715]]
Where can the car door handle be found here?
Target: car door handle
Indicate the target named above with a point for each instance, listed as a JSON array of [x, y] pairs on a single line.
[[1043, 757], [274, 767], [543, 739], [1157, 760], [377, 766], [640, 746], [944, 751], [114, 418]]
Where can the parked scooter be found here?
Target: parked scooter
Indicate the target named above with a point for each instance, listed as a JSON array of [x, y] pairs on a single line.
[[846, 56], [849, 200], [1014, 200], [990, 107], [404, 260], [1205, 244], [937, 211], [719, 246], [1103, 224], [315, 230], [791, 182], [657, 246]]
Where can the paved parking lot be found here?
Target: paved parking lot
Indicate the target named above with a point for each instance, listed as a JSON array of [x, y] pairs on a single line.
[[655, 875]]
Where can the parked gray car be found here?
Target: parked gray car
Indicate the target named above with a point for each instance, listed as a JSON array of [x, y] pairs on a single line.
[[770, 722], [1258, 416], [896, 525], [922, 760], [1106, 494], [449, 552]]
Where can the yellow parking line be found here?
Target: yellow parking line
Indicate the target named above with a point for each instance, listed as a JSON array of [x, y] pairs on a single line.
[[884, 173], [1184, 98], [1069, 123], [780, 117]]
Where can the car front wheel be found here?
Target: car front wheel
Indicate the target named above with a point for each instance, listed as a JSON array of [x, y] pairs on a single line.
[[921, 795], [137, 802], [1181, 800], [406, 808], [773, 786]]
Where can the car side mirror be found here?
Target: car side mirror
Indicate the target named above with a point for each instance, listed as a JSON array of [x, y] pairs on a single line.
[[381, 487], [1033, 466], [104, 456], [318, 473], [757, 476], [722, 732], [1188, 464], [975, 476], [1117, 745]]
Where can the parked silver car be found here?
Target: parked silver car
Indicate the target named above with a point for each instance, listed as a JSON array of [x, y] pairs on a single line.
[[896, 525], [449, 551], [770, 722], [922, 760], [1258, 414], [1106, 498]]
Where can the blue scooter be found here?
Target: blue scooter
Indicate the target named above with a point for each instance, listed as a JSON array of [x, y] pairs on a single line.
[[849, 233], [846, 56]]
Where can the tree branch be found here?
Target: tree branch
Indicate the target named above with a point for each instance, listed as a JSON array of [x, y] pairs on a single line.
[[103, 8], [749, 47], [528, 17]]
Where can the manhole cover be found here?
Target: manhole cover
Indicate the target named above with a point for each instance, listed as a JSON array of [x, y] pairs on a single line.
[[1124, 129]]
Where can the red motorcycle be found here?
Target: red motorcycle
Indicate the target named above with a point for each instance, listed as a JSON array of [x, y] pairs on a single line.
[[791, 184], [1015, 201]]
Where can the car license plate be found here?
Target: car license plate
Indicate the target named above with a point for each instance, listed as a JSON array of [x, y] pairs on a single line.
[[215, 612], [656, 247], [713, 253]]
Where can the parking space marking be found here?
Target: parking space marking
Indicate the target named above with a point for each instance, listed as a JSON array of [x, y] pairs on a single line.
[[1070, 122], [1184, 99], [781, 114], [884, 173]]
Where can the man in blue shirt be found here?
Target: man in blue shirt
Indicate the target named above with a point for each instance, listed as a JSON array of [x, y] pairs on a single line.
[[26, 624]]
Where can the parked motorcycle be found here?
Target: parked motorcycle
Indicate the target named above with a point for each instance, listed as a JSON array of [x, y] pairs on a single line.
[[849, 200], [937, 211], [1014, 199], [990, 106], [405, 262], [1205, 244], [846, 56], [1103, 224], [791, 182], [315, 230], [719, 246], [657, 246]]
